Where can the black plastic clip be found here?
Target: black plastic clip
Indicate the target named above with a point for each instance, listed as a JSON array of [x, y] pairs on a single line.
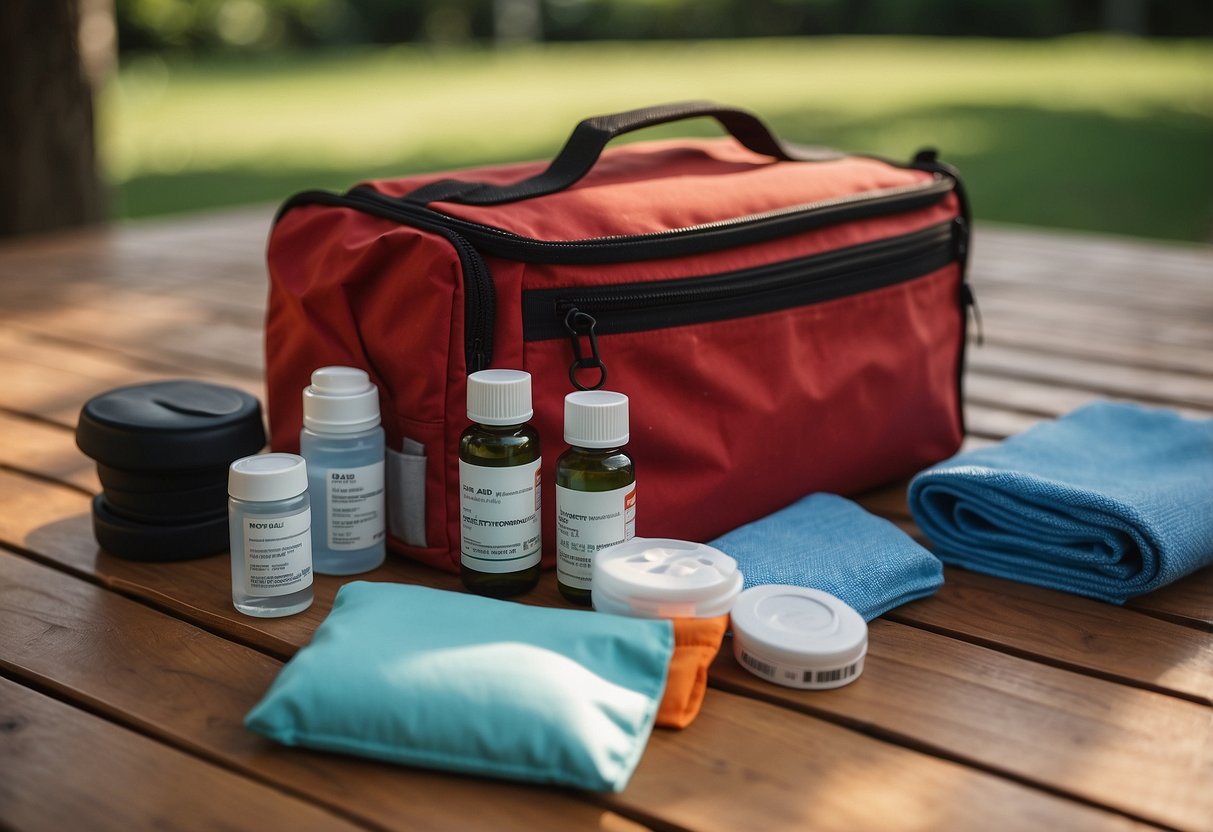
[[581, 324]]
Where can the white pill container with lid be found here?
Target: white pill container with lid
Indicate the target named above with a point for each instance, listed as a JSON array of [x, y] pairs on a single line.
[[648, 577], [798, 637]]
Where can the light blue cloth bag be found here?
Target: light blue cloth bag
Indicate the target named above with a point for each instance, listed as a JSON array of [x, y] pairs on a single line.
[[445, 680], [830, 543], [1111, 501]]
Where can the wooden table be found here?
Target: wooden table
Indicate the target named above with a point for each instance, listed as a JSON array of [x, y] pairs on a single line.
[[990, 705]]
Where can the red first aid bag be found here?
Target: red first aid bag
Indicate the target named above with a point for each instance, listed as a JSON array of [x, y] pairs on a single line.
[[784, 320]]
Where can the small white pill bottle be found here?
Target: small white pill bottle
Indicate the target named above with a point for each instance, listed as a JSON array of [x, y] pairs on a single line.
[[270, 529], [798, 637]]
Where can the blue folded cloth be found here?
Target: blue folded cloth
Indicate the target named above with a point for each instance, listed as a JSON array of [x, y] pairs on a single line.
[[1111, 501], [829, 543], [445, 680]]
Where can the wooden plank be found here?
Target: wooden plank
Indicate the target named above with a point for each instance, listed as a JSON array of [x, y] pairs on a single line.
[[1082, 374], [65, 769], [1023, 254], [1189, 601], [190, 292], [55, 523], [1069, 631], [1042, 399], [51, 381], [176, 330], [45, 450], [168, 679], [199, 591], [1148, 303], [214, 246], [189, 687], [746, 765], [1048, 337], [1091, 318], [997, 422], [1035, 723]]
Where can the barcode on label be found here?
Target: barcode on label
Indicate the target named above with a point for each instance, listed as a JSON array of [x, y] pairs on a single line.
[[836, 675], [757, 664]]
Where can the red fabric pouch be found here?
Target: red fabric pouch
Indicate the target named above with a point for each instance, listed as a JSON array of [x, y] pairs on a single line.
[[784, 320]]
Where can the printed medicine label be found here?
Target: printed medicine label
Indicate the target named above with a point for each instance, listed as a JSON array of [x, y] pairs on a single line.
[[278, 554], [587, 521], [499, 513], [355, 506]]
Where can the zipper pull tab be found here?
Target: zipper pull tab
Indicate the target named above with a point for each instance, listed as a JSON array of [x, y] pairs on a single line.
[[581, 324], [970, 302]]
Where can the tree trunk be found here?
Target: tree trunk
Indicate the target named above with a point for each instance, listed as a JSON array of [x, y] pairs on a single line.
[[48, 167]]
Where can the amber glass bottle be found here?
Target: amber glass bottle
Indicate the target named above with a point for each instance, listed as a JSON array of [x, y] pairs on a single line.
[[499, 459], [595, 487]]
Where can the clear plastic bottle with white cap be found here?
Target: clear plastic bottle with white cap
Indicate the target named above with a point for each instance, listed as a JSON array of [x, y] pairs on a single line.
[[342, 442], [269, 523], [499, 493], [595, 487]]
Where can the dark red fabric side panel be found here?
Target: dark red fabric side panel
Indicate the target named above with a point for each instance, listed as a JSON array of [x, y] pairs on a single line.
[[347, 288]]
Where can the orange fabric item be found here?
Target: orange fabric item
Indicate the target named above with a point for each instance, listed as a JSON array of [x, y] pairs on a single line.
[[696, 643]]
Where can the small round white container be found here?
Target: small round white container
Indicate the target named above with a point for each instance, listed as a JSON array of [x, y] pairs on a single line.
[[798, 637], [653, 577]]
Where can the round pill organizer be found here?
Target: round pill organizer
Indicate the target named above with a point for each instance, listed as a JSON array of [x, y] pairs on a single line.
[[656, 577], [798, 637], [162, 451]]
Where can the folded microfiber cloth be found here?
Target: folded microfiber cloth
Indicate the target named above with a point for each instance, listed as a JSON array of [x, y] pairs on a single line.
[[829, 543], [1111, 501]]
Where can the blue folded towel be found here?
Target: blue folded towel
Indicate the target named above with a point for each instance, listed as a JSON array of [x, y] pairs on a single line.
[[424, 677], [829, 543], [1111, 501]]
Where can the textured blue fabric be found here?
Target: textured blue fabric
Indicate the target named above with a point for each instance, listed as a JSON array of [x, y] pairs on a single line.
[[829, 543], [445, 680], [1111, 501]]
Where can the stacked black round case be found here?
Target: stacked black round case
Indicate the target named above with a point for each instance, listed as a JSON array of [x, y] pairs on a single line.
[[162, 452]]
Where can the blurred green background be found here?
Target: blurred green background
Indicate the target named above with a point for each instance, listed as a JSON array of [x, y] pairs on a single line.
[[233, 101]]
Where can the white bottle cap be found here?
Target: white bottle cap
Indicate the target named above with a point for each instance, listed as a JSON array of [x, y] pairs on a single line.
[[499, 397], [264, 478], [596, 419], [340, 400], [662, 578], [798, 637]]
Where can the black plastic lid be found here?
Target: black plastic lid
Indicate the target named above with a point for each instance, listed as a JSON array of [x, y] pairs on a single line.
[[139, 541], [170, 425], [168, 507], [172, 482]]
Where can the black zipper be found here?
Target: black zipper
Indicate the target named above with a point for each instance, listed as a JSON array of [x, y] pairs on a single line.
[[675, 242], [472, 240], [632, 307]]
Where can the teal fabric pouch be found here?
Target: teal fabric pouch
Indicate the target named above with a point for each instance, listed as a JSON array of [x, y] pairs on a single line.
[[445, 680]]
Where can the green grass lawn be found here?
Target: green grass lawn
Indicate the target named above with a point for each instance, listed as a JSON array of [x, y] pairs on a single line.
[[1092, 133]]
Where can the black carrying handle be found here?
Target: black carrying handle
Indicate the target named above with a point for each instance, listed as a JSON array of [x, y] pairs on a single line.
[[589, 139]]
